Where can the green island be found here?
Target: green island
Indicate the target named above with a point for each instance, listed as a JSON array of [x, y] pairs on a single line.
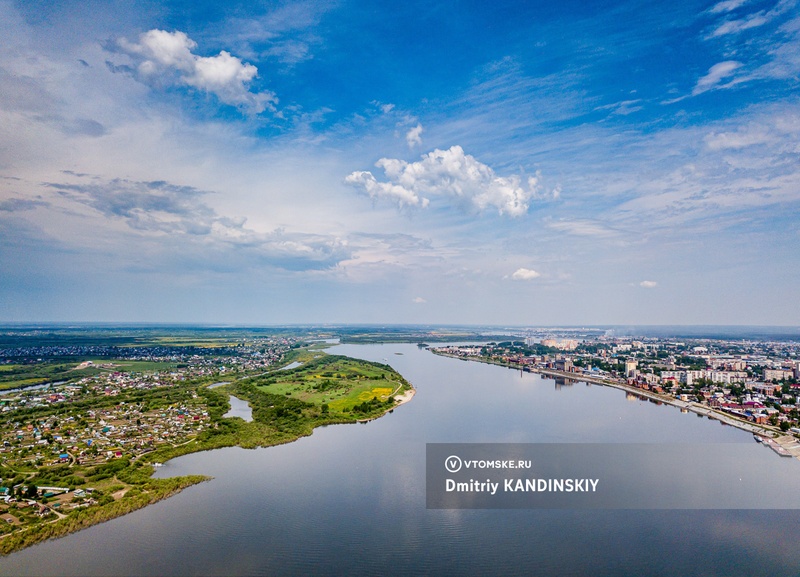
[[83, 450]]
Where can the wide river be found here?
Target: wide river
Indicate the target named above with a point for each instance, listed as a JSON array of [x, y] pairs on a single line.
[[350, 499]]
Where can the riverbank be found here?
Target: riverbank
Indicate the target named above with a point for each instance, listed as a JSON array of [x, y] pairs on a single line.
[[81, 519], [764, 431], [405, 397]]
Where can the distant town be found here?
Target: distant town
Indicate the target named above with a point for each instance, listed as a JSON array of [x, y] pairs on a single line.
[[751, 384]]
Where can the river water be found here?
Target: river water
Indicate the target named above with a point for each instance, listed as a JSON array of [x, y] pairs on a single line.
[[351, 499]]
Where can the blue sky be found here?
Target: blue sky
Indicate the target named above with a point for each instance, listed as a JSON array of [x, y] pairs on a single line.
[[434, 162]]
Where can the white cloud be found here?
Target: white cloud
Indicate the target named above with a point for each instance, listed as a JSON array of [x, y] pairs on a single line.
[[402, 196], [449, 173], [623, 108], [784, 54], [735, 26], [162, 56], [582, 227], [730, 171], [754, 20], [715, 75], [648, 284], [418, 300], [386, 108], [727, 6], [414, 136], [742, 138], [525, 274]]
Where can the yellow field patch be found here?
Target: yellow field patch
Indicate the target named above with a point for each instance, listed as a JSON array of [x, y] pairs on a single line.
[[375, 392]]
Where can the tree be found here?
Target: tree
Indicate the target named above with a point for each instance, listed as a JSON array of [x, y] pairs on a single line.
[[785, 426]]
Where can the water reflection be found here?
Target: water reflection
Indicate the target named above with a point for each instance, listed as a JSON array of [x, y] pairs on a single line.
[[239, 408]]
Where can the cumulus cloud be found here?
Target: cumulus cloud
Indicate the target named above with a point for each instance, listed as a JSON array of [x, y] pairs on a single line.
[[648, 284], [414, 136], [715, 75], [525, 274], [394, 192], [167, 57], [418, 300], [384, 107], [452, 174]]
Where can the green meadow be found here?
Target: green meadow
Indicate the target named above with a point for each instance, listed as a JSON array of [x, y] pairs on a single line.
[[341, 383]]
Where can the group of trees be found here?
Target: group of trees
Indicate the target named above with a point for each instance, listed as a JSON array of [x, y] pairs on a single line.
[[280, 411], [29, 491], [517, 348], [60, 475], [327, 385], [372, 405]]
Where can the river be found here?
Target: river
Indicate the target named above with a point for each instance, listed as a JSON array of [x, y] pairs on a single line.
[[351, 499]]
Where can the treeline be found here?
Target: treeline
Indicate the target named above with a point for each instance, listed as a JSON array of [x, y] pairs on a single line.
[[373, 405], [519, 347], [335, 363], [59, 476]]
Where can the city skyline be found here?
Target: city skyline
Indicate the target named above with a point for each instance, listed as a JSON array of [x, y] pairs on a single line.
[[332, 162]]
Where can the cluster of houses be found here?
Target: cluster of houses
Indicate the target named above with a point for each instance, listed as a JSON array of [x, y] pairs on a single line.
[[95, 436], [75, 436], [50, 502]]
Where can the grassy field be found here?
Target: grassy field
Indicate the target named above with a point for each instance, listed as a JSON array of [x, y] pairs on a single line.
[[339, 382]]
